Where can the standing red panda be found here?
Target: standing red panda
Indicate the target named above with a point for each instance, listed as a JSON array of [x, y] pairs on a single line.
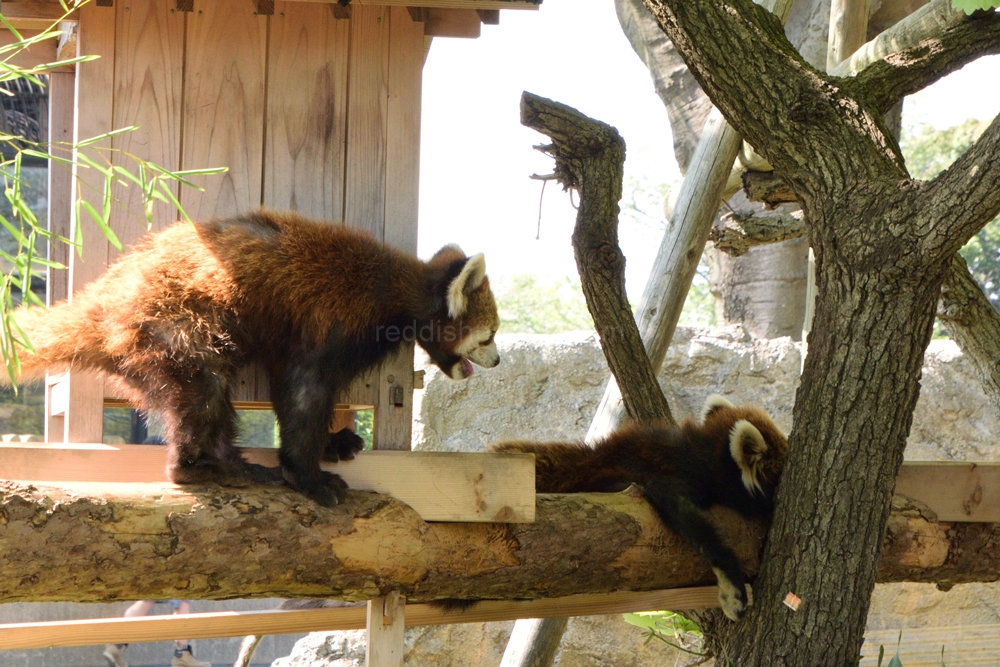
[[317, 304], [733, 458]]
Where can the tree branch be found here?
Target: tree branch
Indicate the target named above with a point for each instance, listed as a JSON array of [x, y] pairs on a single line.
[[974, 324], [739, 232], [794, 115], [961, 200], [590, 156], [905, 72]]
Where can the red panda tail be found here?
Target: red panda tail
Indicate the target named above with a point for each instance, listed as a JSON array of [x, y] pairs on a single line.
[[60, 338]]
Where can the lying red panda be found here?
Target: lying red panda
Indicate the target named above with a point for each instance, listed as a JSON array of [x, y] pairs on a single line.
[[733, 458]]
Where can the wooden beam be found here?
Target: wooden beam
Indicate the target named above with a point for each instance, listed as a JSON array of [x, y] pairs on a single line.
[[36, 14], [439, 486], [92, 632], [452, 23], [446, 4], [385, 619], [955, 491]]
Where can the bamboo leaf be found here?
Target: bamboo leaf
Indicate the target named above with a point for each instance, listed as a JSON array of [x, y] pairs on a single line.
[[107, 135]]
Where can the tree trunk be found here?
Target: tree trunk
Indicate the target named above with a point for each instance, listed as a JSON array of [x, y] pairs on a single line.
[[883, 245], [848, 419], [150, 541]]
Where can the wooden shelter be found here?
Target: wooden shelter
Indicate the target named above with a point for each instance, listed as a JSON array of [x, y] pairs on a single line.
[[312, 106]]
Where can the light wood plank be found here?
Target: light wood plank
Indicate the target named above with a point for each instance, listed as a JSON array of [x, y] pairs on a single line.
[[364, 197], [62, 97], [453, 23], [385, 619], [955, 491], [224, 102], [93, 632], [439, 486], [31, 56], [393, 422], [36, 14], [307, 111], [84, 418], [447, 4], [149, 66]]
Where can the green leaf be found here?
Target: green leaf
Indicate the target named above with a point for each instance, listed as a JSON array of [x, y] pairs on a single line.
[[969, 6], [101, 222], [896, 662], [107, 135]]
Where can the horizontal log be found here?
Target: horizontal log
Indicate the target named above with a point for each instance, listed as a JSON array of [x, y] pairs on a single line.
[[440, 486], [48, 634], [102, 542], [158, 541]]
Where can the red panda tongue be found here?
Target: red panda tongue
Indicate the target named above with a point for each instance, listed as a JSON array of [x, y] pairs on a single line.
[[467, 365]]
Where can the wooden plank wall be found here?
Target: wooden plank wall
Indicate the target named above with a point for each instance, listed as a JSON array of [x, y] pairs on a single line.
[[310, 113]]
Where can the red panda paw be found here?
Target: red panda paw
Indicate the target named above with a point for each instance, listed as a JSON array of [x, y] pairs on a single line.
[[343, 445], [326, 488], [732, 596]]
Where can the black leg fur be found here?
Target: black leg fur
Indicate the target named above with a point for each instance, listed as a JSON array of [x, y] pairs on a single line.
[[303, 401], [685, 518]]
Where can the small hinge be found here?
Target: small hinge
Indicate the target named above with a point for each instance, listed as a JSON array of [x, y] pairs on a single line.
[[340, 11], [489, 16], [185, 5], [418, 379], [105, 3], [396, 396], [264, 7]]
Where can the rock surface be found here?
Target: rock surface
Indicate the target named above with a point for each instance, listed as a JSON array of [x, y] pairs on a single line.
[[547, 388]]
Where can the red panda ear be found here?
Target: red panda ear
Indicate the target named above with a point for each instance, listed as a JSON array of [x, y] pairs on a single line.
[[448, 253], [471, 277], [748, 447], [712, 403]]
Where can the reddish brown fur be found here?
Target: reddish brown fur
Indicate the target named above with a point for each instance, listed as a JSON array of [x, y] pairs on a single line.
[[317, 304], [682, 471]]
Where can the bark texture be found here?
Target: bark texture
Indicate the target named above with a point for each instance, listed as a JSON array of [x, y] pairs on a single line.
[[883, 247], [159, 541], [590, 156], [80, 543]]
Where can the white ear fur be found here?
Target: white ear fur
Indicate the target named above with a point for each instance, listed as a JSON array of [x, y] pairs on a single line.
[[713, 403], [747, 446], [471, 277]]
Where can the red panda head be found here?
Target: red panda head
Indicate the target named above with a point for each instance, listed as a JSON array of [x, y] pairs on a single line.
[[467, 320], [756, 443]]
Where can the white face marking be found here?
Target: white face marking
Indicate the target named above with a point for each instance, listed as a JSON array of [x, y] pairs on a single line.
[[480, 347]]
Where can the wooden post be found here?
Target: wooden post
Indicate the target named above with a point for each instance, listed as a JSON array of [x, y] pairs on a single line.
[[385, 631], [62, 101], [83, 420]]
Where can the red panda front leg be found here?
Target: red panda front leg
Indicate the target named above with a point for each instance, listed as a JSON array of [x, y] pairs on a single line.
[[303, 393], [682, 516]]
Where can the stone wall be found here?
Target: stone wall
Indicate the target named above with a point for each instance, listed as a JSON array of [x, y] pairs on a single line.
[[548, 387]]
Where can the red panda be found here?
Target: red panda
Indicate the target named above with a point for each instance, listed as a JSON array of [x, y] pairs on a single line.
[[733, 458], [317, 304]]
